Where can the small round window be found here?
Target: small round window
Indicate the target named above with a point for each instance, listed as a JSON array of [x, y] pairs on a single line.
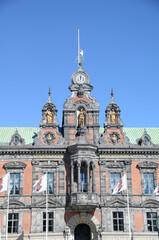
[[146, 140], [16, 140]]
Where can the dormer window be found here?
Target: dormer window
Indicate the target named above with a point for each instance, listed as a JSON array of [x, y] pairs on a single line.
[[16, 139]]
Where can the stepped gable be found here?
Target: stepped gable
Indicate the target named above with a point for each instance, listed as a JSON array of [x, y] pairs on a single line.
[[49, 133], [81, 104], [113, 126]]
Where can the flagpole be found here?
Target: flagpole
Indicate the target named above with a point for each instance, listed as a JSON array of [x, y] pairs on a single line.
[[7, 207], [128, 210], [0, 229], [46, 208]]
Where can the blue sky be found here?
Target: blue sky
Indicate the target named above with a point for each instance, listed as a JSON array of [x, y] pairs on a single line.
[[38, 49]]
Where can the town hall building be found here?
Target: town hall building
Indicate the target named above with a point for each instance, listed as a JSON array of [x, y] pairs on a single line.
[[83, 163]]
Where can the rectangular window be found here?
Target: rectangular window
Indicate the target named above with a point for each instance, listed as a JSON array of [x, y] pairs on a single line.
[[118, 221], [148, 183], [50, 222], [151, 221], [50, 183], [83, 182], [15, 183], [13, 219], [115, 177]]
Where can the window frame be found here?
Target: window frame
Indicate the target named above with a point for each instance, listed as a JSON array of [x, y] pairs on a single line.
[[12, 223], [49, 173], [49, 219], [118, 218], [151, 219], [148, 180], [14, 184], [148, 168], [112, 172], [16, 167]]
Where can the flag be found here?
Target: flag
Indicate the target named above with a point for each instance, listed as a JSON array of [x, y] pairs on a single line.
[[40, 185], [122, 185], [81, 52], [4, 183], [156, 191]]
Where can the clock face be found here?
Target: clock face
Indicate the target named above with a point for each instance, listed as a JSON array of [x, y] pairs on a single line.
[[80, 78]]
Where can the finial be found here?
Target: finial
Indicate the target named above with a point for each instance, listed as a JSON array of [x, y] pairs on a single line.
[[80, 52], [49, 92], [49, 98], [112, 94]]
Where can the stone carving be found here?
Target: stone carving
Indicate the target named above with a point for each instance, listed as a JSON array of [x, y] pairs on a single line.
[[114, 137], [49, 116], [148, 165], [14, 165], [81, 118], [49, 137]]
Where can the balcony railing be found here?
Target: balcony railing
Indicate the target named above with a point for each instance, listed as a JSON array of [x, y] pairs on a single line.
[[84, 200]]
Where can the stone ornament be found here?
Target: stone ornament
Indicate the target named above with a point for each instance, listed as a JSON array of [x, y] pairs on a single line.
[[49, 137], [114, 137]]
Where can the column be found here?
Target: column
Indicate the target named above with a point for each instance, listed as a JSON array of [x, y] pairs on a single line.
[[88, 178], [93, 179], [72, 177], [79, 175]]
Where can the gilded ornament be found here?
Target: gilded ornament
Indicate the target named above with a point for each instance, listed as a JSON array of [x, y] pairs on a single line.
[[81, 118], [49, 116], [113, 116]]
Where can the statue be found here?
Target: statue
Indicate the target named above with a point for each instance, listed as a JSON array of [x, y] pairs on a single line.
[[113, 116], [49, 116], [81, 118]]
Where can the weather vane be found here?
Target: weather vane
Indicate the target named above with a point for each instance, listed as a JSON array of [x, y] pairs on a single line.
[[80, 52]]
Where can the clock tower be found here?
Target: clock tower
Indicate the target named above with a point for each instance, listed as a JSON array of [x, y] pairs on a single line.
[[81, 107]]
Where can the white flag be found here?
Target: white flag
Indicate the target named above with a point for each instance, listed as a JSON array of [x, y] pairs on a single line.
[[4, 183], [122, 185], [40, 185], [81, 52], [156, 191]]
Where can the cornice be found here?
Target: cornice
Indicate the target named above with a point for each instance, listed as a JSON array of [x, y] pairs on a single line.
[[26, 150]]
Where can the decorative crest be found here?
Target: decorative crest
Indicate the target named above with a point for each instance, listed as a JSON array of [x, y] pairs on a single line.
[[80, 52]]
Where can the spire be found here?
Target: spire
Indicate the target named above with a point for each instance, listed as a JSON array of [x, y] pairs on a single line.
[[112, 96], [49, 98], [80, 52]]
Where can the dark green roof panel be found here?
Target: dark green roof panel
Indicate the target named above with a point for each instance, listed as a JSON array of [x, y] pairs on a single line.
[[29, 133]]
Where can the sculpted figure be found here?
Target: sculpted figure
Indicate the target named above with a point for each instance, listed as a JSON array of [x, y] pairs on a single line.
[[113, 116], [81, 118], [49, 116]]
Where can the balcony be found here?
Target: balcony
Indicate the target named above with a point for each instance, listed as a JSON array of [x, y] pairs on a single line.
[[84, 201]]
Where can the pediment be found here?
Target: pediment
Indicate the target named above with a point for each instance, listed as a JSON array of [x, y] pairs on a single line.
[[48, 165], [147, 164], [118, 203], [14, 165], [51, 202], [14, 203], [115, 164], [150, 203]]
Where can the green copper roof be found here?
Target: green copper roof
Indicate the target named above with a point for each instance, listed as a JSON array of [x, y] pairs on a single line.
[[29, 133], [135, 133]]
